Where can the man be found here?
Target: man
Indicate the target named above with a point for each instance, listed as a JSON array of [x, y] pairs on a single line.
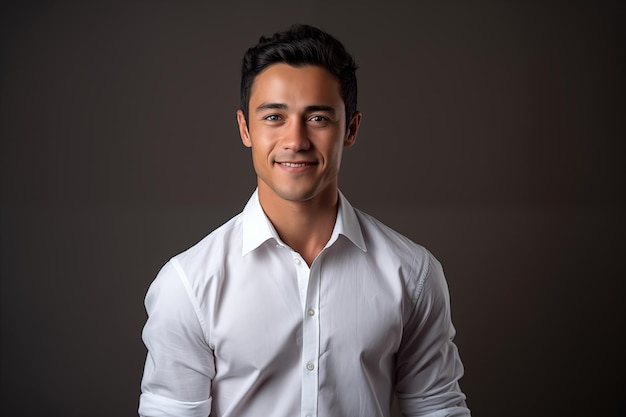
[[300, 305]]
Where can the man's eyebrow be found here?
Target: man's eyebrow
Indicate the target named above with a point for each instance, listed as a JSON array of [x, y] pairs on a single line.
[[268, 106], [320, 107]]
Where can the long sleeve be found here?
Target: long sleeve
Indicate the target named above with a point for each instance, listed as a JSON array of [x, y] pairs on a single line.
[[428, 363], [180, 364]]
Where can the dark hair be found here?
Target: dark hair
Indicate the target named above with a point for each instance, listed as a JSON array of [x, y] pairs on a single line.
[[298, 46]]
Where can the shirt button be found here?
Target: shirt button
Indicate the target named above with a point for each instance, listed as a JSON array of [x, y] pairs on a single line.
[[310, 312], [297, 261], [310, 366]]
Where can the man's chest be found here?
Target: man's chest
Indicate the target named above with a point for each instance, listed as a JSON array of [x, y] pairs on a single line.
[[288, 313]]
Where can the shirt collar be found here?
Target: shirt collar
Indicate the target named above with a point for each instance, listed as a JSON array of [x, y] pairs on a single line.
[[257, 228], [347, 224]]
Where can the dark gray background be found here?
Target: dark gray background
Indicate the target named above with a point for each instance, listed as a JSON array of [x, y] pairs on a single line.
[[493, 134]]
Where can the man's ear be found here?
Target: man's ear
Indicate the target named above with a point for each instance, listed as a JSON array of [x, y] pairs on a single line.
[[353, 129], [243, 129]]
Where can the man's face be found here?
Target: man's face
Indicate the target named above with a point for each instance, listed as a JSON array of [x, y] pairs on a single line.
[[297, 131]]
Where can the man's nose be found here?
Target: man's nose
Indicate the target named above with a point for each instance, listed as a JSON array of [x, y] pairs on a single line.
[[296, 137]]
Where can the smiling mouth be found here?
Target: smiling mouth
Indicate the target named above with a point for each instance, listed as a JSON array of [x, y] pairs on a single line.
[[295, 164]]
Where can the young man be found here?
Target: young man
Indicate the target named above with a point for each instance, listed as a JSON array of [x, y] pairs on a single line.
[[300, 305]]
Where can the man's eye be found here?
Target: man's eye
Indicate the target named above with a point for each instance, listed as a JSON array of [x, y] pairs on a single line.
[[272, 117], [318, 119]]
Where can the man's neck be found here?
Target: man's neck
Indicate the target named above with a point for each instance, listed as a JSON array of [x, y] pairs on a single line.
[[306, 226]]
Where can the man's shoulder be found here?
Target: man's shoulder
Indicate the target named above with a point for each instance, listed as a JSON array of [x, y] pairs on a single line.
[[381, 238], [376, 229], [212, 246], [389, 248]]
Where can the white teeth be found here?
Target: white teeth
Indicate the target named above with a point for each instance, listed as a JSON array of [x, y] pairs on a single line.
[[292, 165]]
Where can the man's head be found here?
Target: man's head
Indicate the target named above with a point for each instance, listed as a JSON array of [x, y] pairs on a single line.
[[298, 46], [298, 113]]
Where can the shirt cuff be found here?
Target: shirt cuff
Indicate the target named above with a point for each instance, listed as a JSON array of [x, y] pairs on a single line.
[[152, 405]]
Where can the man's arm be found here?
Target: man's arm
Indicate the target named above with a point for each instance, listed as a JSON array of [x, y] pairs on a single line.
[[428, 363], [180, 365]]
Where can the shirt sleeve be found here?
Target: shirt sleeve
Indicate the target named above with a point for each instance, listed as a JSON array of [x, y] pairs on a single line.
[[428, 363], [180, 364]]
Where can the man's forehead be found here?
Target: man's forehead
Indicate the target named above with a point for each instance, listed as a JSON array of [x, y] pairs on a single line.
[[283, 80]]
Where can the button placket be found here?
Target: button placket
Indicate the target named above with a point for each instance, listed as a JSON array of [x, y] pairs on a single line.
[[311, 343]]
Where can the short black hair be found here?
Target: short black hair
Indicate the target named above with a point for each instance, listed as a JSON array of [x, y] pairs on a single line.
[[298, 46]]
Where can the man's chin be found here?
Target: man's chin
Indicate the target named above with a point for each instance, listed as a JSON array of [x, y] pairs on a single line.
[[296, 196], [296, 192], [291, 194]]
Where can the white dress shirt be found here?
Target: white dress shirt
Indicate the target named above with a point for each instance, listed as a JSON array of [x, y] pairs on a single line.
[[239, 326]]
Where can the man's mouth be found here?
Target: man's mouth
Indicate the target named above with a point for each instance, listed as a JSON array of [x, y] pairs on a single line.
[[295, 164]]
